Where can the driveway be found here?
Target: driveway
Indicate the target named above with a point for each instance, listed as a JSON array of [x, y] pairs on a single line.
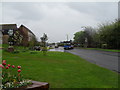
[[104, 59]]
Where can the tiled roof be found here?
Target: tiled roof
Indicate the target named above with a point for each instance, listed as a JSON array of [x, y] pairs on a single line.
[[5, 27]]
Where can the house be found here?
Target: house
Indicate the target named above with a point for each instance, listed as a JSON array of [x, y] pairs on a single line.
[[28, 37], [1, 37], [4, 28]]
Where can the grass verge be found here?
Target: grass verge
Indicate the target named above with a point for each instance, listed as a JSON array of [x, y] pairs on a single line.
[[62, 70]]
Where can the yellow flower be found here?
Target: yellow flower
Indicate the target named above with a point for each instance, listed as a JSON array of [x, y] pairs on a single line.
[[14, 80]]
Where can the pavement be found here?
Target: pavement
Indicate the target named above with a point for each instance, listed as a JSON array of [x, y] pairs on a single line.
[[104, 59]]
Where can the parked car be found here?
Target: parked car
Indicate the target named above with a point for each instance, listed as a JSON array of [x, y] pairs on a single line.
[[68, 46], [37, 48]]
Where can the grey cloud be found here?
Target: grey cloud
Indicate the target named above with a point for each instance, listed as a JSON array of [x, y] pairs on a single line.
[[102, 11], [58, 19], [28, 10]]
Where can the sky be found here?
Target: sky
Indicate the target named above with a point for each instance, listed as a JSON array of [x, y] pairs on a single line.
[[58, 19]]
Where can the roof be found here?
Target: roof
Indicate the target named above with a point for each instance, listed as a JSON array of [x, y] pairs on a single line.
[[4, 28], [27, 29], [8, 26]]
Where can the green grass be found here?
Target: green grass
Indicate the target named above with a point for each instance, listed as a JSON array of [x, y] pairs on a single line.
[[62, 70], [111, 50]]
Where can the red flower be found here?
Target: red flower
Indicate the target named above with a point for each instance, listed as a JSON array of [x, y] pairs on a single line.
[[2, 75], [4, 63], [8, 65], [1, 66], [19, 67], [13, 66], [19, 70]]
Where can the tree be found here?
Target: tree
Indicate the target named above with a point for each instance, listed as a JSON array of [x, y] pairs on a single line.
[[79, 37], [110, 34], [43, 41], [85, 38], [17, 37], [33, 42], [106, 36]]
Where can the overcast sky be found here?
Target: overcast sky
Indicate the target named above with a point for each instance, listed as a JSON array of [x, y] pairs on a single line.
[[58, 19]]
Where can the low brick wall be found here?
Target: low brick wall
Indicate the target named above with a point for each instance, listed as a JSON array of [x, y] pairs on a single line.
[[35, 86]]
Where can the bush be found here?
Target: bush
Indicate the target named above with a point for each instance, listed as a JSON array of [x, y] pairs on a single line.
[[33, 52], [15, 52], [23, 50], [104, 46]]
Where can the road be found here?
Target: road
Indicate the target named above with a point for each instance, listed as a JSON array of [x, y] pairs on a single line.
[[60, 49], [104, 59]]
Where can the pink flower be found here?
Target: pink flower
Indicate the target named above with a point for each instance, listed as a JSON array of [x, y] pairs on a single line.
[[13, 66], [18, 67], [1, 66], [4, 63], [19, 70], [8, 65]]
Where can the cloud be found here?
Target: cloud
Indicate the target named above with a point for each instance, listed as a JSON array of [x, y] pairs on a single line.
[[101, 11], [57, 19]]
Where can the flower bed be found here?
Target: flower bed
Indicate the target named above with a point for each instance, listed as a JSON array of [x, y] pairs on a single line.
[[12, 77]]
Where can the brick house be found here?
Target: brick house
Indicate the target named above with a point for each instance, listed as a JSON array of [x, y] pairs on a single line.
[[28, 35], [4, 28]]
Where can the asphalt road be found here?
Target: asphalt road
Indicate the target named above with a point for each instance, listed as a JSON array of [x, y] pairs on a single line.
[[104, 59]]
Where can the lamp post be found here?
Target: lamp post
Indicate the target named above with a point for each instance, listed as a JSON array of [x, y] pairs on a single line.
[[10, 48], [86, 42]]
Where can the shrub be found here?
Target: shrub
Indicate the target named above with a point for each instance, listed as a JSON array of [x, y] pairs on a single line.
[[16, 52], [104, 46], [33, 52]]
